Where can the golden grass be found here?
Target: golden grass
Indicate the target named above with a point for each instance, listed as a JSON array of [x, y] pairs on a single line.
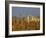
[[22, 24]]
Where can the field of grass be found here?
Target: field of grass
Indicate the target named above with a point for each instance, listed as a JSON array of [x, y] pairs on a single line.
[[21, 24]]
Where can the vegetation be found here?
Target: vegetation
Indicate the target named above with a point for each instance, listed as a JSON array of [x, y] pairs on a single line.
[[20, 24]]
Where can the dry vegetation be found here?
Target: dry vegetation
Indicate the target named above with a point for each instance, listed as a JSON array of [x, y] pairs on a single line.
[[20, 24]]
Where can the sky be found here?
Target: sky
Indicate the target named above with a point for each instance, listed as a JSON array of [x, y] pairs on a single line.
[[25, 11]]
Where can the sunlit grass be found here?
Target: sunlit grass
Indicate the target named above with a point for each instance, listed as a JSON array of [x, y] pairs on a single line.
[[22, 24]]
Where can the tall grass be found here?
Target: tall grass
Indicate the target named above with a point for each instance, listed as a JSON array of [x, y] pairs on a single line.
[[20, 24]]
